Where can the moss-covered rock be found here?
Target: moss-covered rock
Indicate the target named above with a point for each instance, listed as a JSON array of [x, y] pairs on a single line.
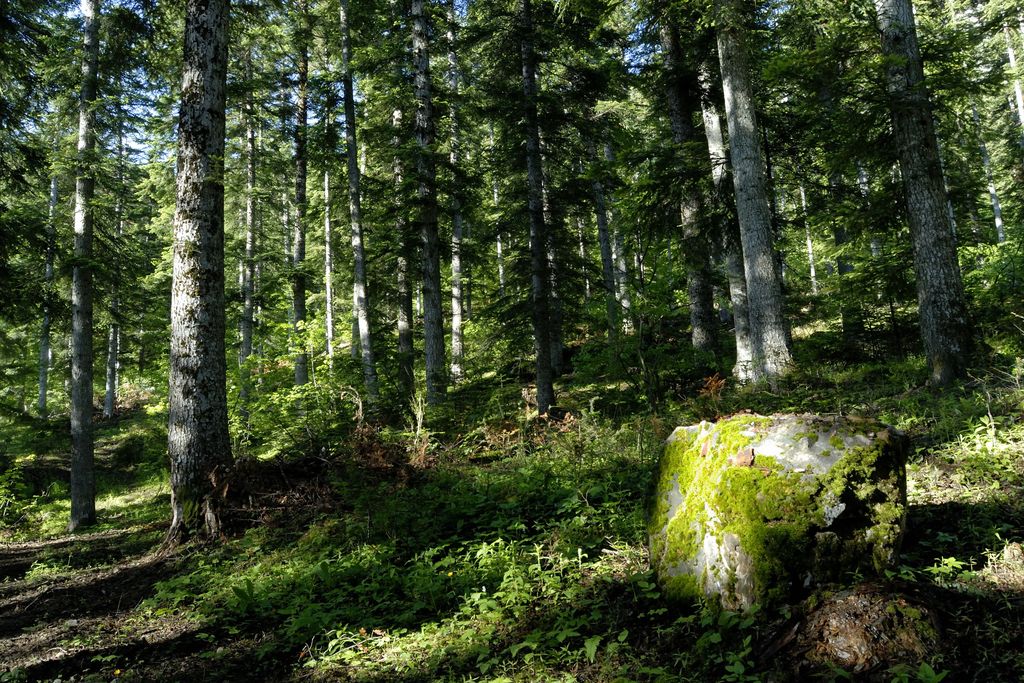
[[756, 509]]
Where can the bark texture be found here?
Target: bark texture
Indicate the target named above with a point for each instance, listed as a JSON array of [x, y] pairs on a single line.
[[197, 437], [426, 172], [942, 308], [539, 276], [359, 289], [769, 333], [83, 485]]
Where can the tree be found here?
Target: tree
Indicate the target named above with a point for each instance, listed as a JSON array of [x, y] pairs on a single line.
[[44, 328], [83, 485], [301, 161], [457, 370], [249, 259], [359, 292], [729, 233], [681, 93], [197, 438], [942, 308], [539, 276], [426, 177], [769, 332]]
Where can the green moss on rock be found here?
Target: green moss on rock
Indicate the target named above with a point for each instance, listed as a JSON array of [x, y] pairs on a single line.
[[753, 509]]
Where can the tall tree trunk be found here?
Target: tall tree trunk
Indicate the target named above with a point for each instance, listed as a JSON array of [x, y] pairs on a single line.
[[44, 328], [83, 484], [406, 375], [809, 241], [113, 367], [299, 240], [359, 290], [993, 195], [535, 204], [426, 172], [197, 437], [768, 326], [457, 371], [555, 298], [114, 328], [942, 309], [619, 256], [328, 270], [703, 321], [1018, 92], [500, 246], [249, 259], [735, 276], [611, 305], [329, 232], [582, 253]]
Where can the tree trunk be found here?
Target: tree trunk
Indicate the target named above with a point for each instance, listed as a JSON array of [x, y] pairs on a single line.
[[359, 290], [114, 328], [197, 440], [299, 239], [500, 246], [328, 270], [942, 309], [113, 367], [555, 298], [703, 321], [406, 374], [83, 485], [768, 326], [457, 371], [329, 143], [810, 243], [730, 231], [535, 204], [997, 211], [619, 257], [44, 328], [582, 253], [426, 172], [249, 260], [1018, 92], [611, 305]]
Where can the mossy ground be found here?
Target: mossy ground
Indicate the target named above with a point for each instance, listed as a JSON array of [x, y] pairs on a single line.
[[516, 551]]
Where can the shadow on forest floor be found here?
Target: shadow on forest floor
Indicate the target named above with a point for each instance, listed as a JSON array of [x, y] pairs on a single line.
[[389, 560]]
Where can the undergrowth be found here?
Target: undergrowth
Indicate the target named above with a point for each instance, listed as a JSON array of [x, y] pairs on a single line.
[[483, 543]]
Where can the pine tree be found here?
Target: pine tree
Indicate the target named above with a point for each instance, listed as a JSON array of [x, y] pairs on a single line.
[[83, 485], [197, 435]]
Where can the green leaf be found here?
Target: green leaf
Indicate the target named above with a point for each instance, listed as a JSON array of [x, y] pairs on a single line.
[[590, 647]]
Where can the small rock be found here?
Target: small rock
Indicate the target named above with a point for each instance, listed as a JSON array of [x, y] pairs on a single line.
[[868, 628]]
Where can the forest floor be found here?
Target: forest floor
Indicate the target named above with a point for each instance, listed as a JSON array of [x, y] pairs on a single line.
[[500, 548]]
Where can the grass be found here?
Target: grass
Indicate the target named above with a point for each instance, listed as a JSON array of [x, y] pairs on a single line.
[[514, 550]]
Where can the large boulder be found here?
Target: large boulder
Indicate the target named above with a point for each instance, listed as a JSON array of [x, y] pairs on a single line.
[[755, 509]]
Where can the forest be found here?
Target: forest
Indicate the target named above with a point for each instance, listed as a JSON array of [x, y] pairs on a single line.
[[347, 341]]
